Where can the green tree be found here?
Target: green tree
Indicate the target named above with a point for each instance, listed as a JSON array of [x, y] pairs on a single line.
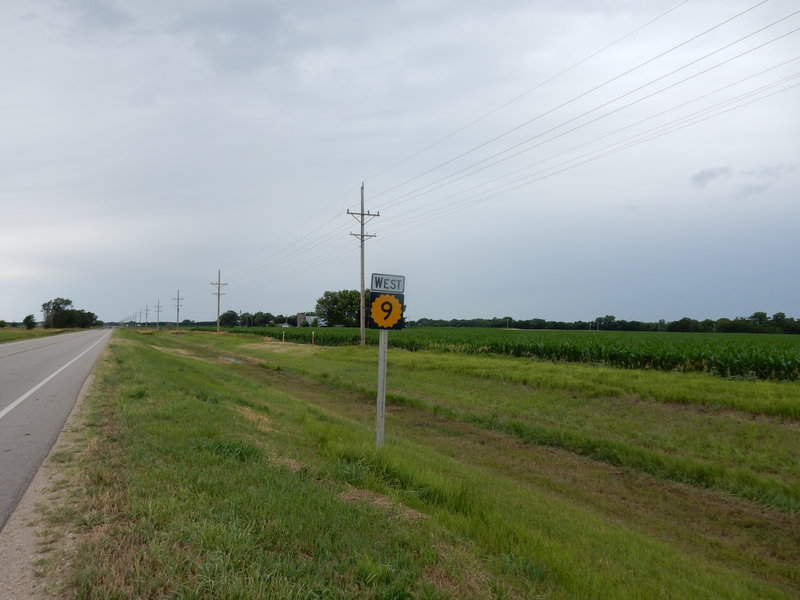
[[80, 318], [684, 324], [55, 312], [262, 319], [229, 319], [59, 313], [340, 308]]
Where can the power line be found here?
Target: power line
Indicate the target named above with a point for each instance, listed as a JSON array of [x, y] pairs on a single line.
[[567, 165], [310, 252], [178, 306], [258, 267], [265, 263], [526, 92], [363, 218], [584, 144], [572, 100], [219, 293], [462, 203], [421, 191], [158, 314]]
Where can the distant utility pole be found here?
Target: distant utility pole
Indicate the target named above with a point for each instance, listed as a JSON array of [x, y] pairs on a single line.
[[363, 218], [178, 306], [158, 314], [146, 315], [218, 293]]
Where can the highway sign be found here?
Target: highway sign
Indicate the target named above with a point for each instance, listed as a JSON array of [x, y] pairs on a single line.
[[385, 311], [391, 284]]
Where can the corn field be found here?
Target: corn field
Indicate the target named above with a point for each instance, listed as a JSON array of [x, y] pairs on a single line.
[[753, 356]]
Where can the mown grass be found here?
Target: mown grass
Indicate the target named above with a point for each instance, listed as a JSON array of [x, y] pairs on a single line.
[[13, 334], [192, 494], [592, 412], [214, 478]]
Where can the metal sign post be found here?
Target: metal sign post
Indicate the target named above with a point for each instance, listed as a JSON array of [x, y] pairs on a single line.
[[385, 313], [383, 347]]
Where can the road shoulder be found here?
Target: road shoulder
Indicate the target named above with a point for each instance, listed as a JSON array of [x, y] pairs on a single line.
[[24, 542]]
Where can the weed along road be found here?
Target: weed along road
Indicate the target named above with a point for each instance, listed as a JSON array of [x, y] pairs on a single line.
[[39, 383]]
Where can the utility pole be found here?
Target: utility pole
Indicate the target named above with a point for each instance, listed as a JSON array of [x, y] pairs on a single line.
[[146, 315], [178, 314], [363, 218], [158, 314], [218, 293]]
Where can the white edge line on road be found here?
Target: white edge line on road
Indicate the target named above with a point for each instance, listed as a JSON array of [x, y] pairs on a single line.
[[24, 396]]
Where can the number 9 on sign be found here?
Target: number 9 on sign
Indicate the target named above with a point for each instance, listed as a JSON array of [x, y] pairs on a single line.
[[385, 310]]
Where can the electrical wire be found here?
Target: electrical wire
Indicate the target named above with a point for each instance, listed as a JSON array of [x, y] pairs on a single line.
[[656, 132], [327, 246], [570, 101], [395, 201], [525, 93], [259, 266], [472, 169]]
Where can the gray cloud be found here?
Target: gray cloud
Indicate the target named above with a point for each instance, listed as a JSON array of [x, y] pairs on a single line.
[[99, 14], [747, 191], [147, 144], [771, 172], [706, 176]]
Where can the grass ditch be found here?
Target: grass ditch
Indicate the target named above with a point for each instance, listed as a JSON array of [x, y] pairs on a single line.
[[210, 478], [755, 457]]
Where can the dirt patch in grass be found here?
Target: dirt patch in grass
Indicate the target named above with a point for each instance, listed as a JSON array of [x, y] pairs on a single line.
[[357, 495], [180, 352], [294, 465], [276, 346], [472, 581], [262, 422]]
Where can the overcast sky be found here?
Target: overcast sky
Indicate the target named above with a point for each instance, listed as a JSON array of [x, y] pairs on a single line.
[[562, 160]]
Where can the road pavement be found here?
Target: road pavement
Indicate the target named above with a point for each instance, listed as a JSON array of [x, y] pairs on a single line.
[[39, 383]]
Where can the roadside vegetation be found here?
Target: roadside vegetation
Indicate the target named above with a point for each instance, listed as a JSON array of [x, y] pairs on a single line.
[[13, 334], [762, 356], [234, 466]]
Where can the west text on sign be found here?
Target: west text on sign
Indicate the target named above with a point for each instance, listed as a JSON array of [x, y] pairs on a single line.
[[388, 283]]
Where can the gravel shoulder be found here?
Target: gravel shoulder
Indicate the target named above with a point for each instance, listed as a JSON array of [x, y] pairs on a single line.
[[27, 537]]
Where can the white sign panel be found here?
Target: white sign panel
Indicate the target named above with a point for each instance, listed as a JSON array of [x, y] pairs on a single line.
[[388, 283]]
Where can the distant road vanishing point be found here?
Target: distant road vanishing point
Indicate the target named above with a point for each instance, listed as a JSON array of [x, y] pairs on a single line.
[[40, 380]]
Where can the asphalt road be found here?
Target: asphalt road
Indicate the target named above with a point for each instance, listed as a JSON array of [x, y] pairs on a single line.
[[39, 383]]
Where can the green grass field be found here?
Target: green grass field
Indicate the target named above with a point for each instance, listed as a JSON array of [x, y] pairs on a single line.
[[233, 466], [13, 334]]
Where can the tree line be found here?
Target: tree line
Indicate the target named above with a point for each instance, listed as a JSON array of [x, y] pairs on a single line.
[[758, 322], [332, 308], [341, 308], [59, 313], [231, 318]]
